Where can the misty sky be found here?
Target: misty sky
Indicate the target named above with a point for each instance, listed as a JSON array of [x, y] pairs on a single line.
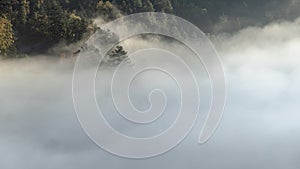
[[260, 127]]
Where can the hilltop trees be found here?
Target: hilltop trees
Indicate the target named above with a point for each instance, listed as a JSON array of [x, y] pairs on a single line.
[[41, 23], [58, 24], [134, 6], [107, 10]]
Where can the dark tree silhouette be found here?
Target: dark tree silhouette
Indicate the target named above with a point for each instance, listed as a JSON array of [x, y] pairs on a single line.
[[117, 56]]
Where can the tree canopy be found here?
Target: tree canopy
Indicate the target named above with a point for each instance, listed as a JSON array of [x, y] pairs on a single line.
[[37, 25], [7, 38]]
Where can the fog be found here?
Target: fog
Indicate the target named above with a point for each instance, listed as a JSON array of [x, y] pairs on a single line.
[[260, 127]]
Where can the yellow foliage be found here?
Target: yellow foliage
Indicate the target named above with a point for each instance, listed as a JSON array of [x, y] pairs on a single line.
[[75, 17], [105, 5], [7, 38]]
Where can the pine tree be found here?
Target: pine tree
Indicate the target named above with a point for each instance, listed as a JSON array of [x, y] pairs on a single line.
[[117, 56], [147, 6], [23, 11]]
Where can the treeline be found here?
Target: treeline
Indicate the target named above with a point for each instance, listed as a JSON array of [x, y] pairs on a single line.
[[232, 15], [37, 25]]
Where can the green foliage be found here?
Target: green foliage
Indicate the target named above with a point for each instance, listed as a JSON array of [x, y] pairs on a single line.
[[107, 10], [163, 6], [56, 24], [44, 23], [147, 6], [75, 28], [6, 7], [135, 6], [23, 11]]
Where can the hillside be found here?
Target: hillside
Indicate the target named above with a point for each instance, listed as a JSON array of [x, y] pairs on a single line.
[[34, 26]]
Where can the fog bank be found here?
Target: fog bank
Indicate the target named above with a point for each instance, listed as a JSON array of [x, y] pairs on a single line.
[[260, 128]]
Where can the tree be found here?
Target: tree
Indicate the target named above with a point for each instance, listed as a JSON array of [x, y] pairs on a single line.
[[117, 56], [57, 18], [76, 27], [163, 6], [134, 6], [107, 10], [6, 7], [7, 38], [23, 11], [147, 6]]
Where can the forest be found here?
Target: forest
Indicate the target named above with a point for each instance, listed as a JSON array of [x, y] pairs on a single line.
[[34, 26]]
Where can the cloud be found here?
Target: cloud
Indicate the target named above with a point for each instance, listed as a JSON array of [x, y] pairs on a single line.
[[260, 128]]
